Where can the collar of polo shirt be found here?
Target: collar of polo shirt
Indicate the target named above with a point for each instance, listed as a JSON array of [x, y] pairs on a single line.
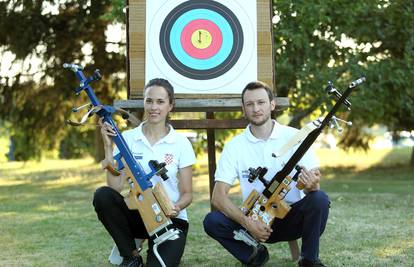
[[274, 135], [169, 138]]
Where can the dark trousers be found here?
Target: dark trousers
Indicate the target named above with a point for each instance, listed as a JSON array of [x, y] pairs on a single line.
[[124, 225], [307, 219]]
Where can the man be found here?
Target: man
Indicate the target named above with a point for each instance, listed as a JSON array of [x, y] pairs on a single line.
[[253, 148]]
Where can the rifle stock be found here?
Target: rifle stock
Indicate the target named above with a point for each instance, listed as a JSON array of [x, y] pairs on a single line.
[[152, 213]]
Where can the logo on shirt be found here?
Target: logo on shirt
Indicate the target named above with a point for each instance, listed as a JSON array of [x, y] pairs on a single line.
[[138, 156], [245, 174], [168, 159]]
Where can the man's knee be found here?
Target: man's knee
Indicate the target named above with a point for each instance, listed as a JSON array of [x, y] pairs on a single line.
[[211, 222], [319, 199]]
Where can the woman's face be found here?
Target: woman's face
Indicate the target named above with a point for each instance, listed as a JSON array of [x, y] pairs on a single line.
[[157, 104]]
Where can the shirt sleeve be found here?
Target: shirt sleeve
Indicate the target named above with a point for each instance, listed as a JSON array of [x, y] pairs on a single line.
[[226, 168], [187, 155]]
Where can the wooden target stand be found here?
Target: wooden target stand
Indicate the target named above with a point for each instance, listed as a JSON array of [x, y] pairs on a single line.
[[204, 103]]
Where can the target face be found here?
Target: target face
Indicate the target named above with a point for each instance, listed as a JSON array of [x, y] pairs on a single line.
[[200, 45]]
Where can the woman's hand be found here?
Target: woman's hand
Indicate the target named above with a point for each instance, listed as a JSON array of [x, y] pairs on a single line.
[[175, 211], [106, 130]]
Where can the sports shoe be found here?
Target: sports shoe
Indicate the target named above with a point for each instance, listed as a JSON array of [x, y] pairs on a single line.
[[307, 263], [134, 261], [259, 258]]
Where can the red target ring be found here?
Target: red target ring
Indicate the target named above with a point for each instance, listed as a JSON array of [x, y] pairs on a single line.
[[201, 26]]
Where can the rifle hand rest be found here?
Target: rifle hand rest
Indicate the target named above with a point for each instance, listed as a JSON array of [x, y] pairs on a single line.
[[106, 165]]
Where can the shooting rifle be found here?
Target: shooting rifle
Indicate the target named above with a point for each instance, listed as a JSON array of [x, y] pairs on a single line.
[[270, 204], [152, 203]]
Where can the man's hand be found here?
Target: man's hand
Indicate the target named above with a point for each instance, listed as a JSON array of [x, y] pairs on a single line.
[[259, 230], [221, 202], [310, 178]]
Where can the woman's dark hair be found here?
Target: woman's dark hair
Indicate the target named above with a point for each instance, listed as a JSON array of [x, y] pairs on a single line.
[[164, 84], [256, 85]]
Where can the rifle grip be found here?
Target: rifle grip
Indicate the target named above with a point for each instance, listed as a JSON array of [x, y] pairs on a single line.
[[300, 185], [250, 200], [106, 165], [163, 199]]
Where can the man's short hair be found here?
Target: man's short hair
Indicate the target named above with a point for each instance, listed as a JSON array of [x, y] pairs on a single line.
[[257, 85]]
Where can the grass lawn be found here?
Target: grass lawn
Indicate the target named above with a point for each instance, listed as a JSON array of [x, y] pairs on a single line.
[[46, 216]]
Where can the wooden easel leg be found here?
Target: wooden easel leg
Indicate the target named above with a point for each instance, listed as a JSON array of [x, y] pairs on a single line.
[[211, 150], [294, 250]]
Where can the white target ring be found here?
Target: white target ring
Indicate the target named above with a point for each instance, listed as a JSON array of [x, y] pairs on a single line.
[[202, 47]]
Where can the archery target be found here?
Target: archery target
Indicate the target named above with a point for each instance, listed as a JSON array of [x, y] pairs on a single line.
[[202, 46]]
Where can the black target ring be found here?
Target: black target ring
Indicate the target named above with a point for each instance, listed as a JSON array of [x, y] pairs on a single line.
[[187, 71]]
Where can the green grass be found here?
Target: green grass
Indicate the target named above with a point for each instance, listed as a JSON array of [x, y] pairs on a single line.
[[47, 219]]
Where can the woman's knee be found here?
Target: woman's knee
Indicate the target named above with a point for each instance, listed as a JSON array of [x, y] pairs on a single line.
[[103, 196]]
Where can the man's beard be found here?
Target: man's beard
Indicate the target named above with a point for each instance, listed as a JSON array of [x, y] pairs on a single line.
[[261, 122]]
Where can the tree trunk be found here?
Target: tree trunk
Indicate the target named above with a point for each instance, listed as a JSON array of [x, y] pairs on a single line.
[[10, 155], [99, 148], [412, 158]]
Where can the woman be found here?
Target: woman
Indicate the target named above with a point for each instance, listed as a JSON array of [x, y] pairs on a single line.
[[153, 139]]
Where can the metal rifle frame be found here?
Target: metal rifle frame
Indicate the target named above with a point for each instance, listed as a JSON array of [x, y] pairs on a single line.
[[155, 219]]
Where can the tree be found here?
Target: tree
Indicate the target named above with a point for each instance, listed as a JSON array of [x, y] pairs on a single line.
[[38, 99], [335, 40]]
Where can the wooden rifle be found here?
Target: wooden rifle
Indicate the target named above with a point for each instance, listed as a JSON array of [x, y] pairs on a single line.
[[270, 204], [152, 203]]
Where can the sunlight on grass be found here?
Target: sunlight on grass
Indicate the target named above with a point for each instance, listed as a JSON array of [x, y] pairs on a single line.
[[49, 208], [397, 248], [361, 160], [11, 182], [64, 181], [45, 165]]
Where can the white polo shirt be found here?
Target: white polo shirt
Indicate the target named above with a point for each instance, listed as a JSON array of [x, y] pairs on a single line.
[[174, 149], [246, 151]]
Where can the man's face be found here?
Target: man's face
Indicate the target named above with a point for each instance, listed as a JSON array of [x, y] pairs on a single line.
[[257, 107]]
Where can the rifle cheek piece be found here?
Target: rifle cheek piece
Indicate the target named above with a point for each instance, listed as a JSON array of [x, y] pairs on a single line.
[[259, 173], [159, 169]]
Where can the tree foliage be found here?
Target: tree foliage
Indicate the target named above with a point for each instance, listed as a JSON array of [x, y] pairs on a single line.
[[38, 98], [317, 41], [314, 41]]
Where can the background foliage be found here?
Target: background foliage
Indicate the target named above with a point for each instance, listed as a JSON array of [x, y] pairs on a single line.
[[38, 98], [315, 41]]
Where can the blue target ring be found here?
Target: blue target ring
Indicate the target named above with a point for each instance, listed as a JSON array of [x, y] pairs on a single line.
[[190, 61], [201, 69]]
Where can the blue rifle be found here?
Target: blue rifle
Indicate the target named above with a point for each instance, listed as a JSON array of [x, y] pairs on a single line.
[[151, 202]]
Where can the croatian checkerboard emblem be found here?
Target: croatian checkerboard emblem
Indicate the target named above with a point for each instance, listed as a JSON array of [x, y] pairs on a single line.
[[202, 46]]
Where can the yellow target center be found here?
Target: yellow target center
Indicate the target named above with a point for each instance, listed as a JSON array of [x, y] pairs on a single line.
[[201, 39]]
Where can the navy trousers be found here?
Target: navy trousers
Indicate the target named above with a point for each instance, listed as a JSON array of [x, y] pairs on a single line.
[[307, 220]]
